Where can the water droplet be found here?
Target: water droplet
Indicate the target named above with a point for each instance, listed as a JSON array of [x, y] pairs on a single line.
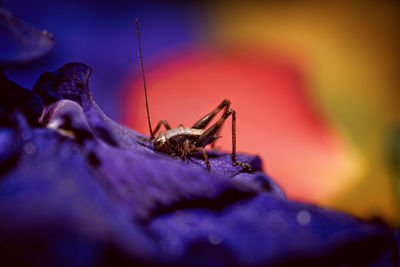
[[303, 217], [29, 148], [214, 239]]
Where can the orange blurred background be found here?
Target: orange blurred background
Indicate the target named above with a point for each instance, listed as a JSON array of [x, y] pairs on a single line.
[[315, 86]]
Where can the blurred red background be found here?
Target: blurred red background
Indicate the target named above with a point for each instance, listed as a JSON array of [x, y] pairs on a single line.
[[314, 88], [275, 117]]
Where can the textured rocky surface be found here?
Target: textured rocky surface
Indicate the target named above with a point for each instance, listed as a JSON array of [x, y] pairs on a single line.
[[86, 191]]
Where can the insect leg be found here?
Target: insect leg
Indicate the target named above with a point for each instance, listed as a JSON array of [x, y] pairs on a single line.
[[210, 133], [186, 149], [205, 156], [234, 161], [163, 122], [203, 122]]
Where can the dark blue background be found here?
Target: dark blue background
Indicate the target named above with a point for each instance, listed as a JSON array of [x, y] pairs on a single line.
[[102, 34]]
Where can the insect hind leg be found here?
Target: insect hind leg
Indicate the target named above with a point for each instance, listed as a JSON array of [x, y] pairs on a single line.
[[234, 161], [211, 132], [203, 122]]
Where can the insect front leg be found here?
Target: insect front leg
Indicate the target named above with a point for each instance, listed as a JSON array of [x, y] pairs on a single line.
[[203, 122], [162, 122]]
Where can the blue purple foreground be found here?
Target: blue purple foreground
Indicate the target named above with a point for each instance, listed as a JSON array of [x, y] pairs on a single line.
[[86, 191]]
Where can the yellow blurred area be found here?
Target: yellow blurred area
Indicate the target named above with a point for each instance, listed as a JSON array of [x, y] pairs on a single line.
[[351, 56]]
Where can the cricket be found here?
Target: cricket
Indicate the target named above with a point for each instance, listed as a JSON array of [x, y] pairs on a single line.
[[182, 141]]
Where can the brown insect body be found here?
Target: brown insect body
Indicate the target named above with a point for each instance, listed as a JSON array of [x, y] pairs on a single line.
[[174, 139], [182, 141], [177, 141]]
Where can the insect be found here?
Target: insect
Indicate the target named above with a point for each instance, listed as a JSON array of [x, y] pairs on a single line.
[[181, 141]]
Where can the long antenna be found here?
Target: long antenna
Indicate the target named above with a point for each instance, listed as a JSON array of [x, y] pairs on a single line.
[[144, 79]]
